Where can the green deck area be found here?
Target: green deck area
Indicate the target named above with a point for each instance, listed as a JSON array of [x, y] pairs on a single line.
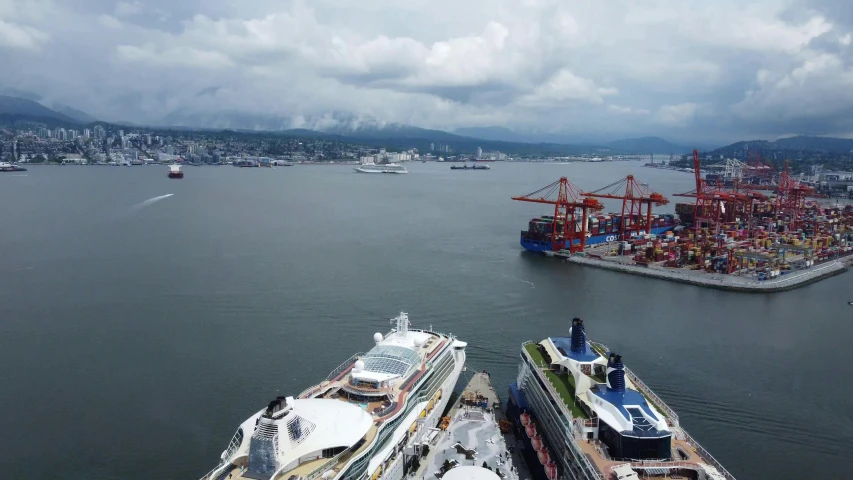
[[564, 384]]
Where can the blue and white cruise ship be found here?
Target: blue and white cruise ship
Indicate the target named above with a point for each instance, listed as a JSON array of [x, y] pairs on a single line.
[[582, 415]]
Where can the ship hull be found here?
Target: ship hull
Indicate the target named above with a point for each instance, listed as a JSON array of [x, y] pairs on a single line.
[[545, 246]]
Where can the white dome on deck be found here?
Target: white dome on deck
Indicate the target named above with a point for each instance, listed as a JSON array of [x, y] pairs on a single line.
[[358, 366], [377, 337], [419, 342]]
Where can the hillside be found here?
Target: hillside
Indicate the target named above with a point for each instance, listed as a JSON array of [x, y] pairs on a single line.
[[16, 108]]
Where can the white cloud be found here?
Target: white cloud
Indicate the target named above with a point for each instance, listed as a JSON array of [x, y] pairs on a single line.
[[677, 115], [586, 66], [21, 36], [128, 9]]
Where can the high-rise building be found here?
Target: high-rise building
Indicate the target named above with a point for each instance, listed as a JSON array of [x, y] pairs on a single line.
[[87, 134], [121, 133], [479, 152]]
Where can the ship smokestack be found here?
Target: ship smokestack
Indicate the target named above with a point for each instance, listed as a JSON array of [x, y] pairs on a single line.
[[615, 373], [578, 336]]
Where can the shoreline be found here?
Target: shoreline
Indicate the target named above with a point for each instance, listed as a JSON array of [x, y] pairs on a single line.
[[732, 283]]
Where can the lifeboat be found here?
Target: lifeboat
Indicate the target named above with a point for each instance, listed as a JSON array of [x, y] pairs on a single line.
[[536, 442], [544, 458], [551, 471], [175, 171], [525, 419], [531, 430]]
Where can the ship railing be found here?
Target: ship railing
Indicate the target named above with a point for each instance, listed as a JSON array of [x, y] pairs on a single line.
[[643, 388], [562, 406], [343, 366], [209, 475], [707, 456]]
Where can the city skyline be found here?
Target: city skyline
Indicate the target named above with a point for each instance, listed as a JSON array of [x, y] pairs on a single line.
[[685, 71]]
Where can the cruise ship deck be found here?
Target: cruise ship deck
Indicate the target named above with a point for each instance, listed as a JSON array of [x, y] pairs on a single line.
[[580, 393], [473, 436]]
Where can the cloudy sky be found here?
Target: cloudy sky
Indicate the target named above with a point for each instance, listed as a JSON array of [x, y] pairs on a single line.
[[688, 70]]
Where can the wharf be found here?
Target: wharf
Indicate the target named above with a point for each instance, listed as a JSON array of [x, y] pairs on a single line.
[[473, 437], [719, 281]]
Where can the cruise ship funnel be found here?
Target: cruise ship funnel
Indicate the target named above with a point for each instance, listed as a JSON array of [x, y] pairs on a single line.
[[578, 336], [615, 373]]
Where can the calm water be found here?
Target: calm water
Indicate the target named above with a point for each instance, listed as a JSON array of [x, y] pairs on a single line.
[[135, 337]]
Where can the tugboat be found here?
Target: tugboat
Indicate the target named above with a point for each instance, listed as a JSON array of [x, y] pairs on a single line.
[[175, 171]]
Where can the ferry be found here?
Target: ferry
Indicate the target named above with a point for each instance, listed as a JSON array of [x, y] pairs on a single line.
[[175, 171], [357, 423], [599, 229], [11, 167], [370, 167], [585, 416]]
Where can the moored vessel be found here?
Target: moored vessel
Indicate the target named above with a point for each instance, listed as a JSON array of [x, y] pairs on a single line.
[[581, 411], [175, 171], [542, 231], [357, 422], [11, 167]]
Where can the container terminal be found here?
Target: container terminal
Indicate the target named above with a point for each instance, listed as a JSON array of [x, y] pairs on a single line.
[[759, 231]]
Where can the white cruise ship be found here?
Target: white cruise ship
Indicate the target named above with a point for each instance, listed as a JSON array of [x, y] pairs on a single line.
[[370, 167], [363, 421]]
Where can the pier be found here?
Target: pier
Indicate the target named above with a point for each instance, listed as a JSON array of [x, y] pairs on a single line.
[[473, 437]]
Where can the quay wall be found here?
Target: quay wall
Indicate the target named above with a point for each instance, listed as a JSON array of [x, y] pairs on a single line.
[[719, 281]]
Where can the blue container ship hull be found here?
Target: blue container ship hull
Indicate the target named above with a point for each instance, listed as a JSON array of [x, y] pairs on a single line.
[[543, 246], [600, 229]]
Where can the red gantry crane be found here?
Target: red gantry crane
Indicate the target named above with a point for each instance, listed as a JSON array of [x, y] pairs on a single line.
[[791, 199], [710, 200], [633, 195], [567, 200]]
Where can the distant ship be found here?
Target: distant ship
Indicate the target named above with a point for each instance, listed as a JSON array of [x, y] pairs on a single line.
[[11, 167], [370, 167], [472, 167], [175, 171], [363, 421]]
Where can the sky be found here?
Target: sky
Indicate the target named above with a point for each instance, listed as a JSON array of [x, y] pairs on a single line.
[[686, 70]]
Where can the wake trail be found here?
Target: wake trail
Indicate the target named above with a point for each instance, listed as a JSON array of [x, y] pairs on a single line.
[[150, 201]]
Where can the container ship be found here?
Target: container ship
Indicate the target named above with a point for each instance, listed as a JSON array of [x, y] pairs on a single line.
[[600, 229], [581, 414], [359, 421]]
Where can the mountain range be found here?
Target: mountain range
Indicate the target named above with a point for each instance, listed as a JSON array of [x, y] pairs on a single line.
[[342, 126]]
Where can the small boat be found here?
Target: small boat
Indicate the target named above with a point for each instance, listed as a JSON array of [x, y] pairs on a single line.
[[175, 171], [11, 167]]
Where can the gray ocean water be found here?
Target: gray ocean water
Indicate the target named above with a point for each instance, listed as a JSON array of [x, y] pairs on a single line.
[[136, 334]]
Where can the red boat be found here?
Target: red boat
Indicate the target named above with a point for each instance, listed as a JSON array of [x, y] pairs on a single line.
[[175, 171]]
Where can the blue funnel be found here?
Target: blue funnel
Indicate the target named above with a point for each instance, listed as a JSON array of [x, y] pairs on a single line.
[[615, 373], [578, 336]]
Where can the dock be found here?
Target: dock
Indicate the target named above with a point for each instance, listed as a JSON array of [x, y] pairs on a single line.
[[717, 281], [473, 437]]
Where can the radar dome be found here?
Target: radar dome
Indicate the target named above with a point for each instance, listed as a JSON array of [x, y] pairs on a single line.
[[419, 342], [359, 366], [377, 337]]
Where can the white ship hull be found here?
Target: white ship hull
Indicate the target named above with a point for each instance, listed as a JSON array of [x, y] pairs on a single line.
[[378, 170]]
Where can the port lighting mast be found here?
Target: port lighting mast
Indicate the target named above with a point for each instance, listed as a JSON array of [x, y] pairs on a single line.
[[570, 208], [633, 195]]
